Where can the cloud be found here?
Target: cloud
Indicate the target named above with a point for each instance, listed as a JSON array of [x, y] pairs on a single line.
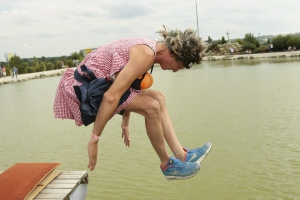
[[18, 17], [49, 27], [4, 36], [128, 10], [49, 34], [27, 46]]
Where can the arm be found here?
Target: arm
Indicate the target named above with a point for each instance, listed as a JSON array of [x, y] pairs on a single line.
[[141, 58], [125, 129]]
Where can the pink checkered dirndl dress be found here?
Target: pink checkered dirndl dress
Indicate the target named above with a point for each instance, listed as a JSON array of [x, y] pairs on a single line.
[[103, 62]]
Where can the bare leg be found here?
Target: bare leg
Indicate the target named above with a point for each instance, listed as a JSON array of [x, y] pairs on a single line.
[[167, 126], [150, 109]]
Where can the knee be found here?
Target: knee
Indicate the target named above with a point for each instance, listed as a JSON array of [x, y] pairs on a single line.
[[152, 109], [158, 96], [161, 99]]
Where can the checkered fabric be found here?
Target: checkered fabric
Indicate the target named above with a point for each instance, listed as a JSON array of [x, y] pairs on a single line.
[[104, 62]]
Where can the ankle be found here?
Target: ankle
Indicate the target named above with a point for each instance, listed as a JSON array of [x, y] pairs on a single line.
[[164, 164], [181, 155]]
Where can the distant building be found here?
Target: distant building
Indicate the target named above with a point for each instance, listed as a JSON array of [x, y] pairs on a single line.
[[87, 51], [8, 56]]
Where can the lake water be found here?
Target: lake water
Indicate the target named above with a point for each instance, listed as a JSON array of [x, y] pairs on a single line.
[[248, 109]]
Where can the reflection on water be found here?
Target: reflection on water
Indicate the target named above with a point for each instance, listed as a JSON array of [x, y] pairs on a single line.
[[248, 109]]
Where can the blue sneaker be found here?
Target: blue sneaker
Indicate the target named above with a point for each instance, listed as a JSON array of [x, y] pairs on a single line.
[[178, 170], [197, 155]]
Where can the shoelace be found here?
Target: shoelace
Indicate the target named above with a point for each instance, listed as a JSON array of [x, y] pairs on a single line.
[[178, 163]]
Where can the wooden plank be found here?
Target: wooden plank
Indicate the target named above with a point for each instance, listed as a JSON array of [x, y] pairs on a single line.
[[50, 196], [42, 185], [62, 181], [55, 191], [74, 172], [50, 178], [67, 198], [62, 186], [62, 176]]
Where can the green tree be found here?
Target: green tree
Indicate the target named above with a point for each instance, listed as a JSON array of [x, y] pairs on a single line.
[[75, 56], [81, 54], [31, 69], [239, 41], [15, 61], [258, 50], [42, 66], [25, 60], [24, 68], [209, 40], [294, 42], [248, 45], [249, 37], [43, 59], [223, 41], [3, 63], [212, 46], [49, 66], [37, 67], [69, 63], [280, 42], [52, 59], [58, 64], [34, 61]]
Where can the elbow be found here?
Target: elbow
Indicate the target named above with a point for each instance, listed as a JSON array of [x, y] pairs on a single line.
[[110, 98]]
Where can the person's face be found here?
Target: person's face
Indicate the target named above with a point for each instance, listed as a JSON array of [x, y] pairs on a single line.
[[171, 64]]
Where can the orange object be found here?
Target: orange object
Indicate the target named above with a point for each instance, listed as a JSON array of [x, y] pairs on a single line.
[[147, 81]]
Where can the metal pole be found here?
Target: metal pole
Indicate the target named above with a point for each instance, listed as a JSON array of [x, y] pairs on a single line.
[[228, 37], [197, 17]]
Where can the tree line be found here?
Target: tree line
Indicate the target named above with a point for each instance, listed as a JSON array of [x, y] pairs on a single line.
[[250, 42], [31, 65]]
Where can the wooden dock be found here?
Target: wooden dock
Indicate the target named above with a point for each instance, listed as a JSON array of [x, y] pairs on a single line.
[[65, 185], [69, 185]]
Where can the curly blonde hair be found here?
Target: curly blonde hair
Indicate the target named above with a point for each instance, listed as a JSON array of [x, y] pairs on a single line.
[[185, 46]]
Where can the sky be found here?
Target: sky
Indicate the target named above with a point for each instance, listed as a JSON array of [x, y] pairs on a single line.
[[60, 27]]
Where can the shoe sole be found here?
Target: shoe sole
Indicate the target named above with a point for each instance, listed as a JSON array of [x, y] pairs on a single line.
[[172, 178], [204, 155]]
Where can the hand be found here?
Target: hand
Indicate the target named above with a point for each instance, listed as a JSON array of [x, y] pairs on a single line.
[[125, 135], [125, 129], [93, 152]]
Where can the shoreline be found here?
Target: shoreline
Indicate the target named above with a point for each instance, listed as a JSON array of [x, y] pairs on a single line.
[[31, 76], [59, 72], [252, 56]]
